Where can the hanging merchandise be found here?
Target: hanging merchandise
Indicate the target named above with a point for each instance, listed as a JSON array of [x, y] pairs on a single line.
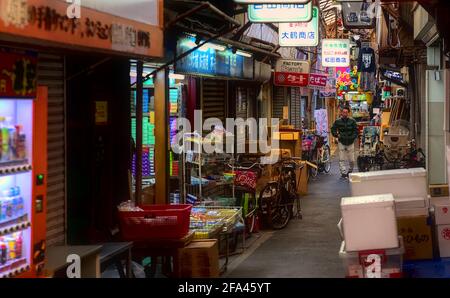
[[347, 79], [367, 67], [321, 117]]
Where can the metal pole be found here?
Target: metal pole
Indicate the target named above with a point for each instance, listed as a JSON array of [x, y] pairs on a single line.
[[139, 108]]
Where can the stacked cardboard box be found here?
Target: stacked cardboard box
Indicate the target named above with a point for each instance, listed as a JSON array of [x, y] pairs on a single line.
[[200, 259]]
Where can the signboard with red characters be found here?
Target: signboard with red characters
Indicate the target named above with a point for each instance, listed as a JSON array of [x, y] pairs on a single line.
[[291, 79], [317, 80], [293, 73], [18, 73]]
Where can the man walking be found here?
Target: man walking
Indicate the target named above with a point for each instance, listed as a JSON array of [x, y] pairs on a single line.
[[346, 130]]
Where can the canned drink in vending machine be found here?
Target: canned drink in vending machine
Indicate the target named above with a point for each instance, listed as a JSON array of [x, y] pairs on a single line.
[[3, 253], [12, 248]]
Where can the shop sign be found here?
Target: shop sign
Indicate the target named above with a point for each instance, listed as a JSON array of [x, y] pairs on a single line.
[[18, 73], [49, 20], [330, 88], [271, 1], [303, 34], [317, 80], [101, 112], [292, 73], [335, 52], [212, 62], [347, 79], [269, 13], [393, 76], [356, 15]]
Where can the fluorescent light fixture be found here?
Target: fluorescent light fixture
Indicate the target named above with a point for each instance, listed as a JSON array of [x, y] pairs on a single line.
[[214, 46], [353, 92], [242, 53], [176, 76]]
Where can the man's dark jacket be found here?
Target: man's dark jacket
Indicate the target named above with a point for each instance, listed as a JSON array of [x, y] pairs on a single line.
[[347, 129]]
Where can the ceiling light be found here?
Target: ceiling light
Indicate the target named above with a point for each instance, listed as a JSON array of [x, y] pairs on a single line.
[[242, 53], [176, 76], [214, 46]]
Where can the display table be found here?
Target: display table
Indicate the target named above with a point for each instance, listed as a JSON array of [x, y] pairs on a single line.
[[166, 249], [115, 253], [56, 263]]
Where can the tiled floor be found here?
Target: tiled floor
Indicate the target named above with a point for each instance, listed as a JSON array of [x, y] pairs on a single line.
[[308, 247]]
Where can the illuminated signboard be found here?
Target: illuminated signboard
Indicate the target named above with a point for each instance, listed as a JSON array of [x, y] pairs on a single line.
[[292, 73], [208, 61], [300, 34], [113, 25], [271, 1], [279, 13], [335, 52], [357, 15]]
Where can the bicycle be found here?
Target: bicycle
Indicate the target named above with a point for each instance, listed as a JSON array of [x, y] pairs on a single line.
[[244, 186], [320, 156], [414, 158], [279, 199]]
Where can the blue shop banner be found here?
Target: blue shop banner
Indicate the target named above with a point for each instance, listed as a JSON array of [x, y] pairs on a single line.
[[211, 60]]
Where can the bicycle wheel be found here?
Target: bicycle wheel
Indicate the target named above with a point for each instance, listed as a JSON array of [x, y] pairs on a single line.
[[327, 159], [250, 220], [313, 172], [281, 217]]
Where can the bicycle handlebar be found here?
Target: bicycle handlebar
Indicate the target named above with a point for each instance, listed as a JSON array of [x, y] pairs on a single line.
[[244, 168]]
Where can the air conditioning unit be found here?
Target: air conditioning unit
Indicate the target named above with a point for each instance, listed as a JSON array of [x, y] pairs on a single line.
[[424, 26]]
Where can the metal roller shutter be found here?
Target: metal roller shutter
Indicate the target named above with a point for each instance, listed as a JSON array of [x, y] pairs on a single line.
[[214, 98], [279, 96], [295, 108], [51, 74], [241, 102]]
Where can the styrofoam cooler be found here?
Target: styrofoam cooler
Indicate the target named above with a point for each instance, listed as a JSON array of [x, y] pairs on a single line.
[[356, 266], [369, 222], [404, 183], [443, 236], [442, 213]]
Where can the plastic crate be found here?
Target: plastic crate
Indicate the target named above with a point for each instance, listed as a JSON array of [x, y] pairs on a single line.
[[156, 221], [427, 269], [355, 263]]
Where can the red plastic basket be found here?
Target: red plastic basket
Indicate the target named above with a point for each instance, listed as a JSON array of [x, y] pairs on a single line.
[[155, 221]]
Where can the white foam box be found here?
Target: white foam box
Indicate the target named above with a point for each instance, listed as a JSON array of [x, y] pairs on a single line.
[[443, 236], [412, 212], [442, 213], [439, 200], [369, 222], [404, 183]]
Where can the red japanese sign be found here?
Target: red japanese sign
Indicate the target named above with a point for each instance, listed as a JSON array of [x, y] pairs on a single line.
[[317, 80], [291, 79], [18, 70]]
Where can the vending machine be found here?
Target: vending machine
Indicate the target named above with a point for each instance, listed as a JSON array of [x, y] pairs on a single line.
[[23, 166]]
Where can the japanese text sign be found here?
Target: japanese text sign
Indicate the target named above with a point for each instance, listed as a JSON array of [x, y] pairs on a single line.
[[292, 73], [48, 20], [208, 61], [300, 33], [18, 73], [335, 52], [317, 80], [271, 1], [280, 13]]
